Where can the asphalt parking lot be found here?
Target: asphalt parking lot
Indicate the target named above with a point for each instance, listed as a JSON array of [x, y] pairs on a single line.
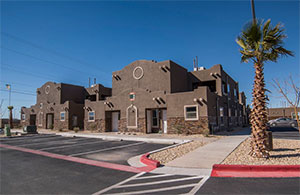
[[89, 148], [25, 171]]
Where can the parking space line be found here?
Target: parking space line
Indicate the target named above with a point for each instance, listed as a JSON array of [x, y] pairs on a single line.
[[152, 176], [106, 149], [28, 137], [70, 145], [60, 138], [199, 185], [55, 141], [120, 183], [157, 190], [75, 159], [158, 182]]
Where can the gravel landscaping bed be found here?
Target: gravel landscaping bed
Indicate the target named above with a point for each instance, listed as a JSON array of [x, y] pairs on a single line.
[[285, 152], [170, 154]]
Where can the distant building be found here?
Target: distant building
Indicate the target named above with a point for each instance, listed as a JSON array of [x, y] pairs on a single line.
[[5, 121], [289, 112]]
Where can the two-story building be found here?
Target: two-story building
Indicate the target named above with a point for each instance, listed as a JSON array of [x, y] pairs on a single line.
[[149, 97], [58, 106]]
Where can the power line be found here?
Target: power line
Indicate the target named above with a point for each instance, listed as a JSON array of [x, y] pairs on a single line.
[[16, 83], [48, 77], [43, 60], [47, 50], [13, 91]]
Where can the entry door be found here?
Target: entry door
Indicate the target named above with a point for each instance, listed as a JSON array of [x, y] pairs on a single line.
[[149, 121], [50, 120], [164, 121], [74, 121], [115, 121], [32, 119]]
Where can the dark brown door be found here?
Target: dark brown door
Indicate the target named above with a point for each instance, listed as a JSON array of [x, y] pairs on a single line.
[[108, 121], [32, 119]]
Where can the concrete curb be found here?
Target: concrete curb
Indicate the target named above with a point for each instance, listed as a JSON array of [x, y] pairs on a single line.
[[154, 163], [149, 162], [123, 138], [220, 170]]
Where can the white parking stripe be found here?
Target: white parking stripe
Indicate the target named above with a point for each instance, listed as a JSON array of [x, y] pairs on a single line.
[[158, 182], [199, 185], [152, 176], [112, 148], [55, 141], [157, 190], [27, 137], [76, 144], [120, 183]]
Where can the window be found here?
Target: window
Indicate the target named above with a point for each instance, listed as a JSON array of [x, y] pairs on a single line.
[[23, 117], [91, 116], [222, 115], [154, 118], [224, 88], [62, 116], [41, 105], [191, 112], [228, 88]]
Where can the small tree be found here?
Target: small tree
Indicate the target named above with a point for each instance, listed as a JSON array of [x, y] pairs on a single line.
[[290, 92]]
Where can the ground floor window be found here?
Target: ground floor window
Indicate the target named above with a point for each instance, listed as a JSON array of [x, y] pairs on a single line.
[[191, 112], [91, 116], [154, 118], [62, 116], [221, 115]]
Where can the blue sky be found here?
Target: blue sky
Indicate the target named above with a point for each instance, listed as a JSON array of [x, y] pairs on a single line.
[[69, 41]]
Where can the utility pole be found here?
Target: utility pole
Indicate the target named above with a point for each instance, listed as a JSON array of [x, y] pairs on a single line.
[[10, 107], [253, 12]]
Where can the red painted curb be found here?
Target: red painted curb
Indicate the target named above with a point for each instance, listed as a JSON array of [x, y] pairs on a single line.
[[149, 162], [220, 170]]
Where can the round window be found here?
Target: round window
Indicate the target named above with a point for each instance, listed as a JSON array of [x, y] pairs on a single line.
[[47, 89], [138, 72]]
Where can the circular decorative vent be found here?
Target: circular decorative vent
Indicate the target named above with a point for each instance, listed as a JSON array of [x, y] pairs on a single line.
[[138, 73], [47, 89]]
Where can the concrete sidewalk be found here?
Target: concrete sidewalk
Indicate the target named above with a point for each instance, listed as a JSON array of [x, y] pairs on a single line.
[[149, 138], [208, 155]]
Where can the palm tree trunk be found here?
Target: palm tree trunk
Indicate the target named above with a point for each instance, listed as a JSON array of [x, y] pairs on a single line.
[[259, 115]]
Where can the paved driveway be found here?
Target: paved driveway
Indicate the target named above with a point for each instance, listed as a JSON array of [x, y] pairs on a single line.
[[50, 164]]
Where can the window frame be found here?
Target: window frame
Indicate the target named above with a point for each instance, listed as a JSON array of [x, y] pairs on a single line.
[[185, 112], [64, 116], [94, 116]]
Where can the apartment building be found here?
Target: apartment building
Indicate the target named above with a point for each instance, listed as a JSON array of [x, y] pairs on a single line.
[[150, 97], [58, 106]]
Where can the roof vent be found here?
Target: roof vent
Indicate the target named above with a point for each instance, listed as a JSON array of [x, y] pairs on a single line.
[[202, 68]]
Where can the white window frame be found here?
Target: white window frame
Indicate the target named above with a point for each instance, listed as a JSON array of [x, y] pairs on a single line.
[[64, 116], [197, 113], [157, 119], [89, 120], [40, 119], [134, 107]]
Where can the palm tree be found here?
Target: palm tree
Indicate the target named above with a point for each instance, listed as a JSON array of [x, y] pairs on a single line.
[[260, 42]]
